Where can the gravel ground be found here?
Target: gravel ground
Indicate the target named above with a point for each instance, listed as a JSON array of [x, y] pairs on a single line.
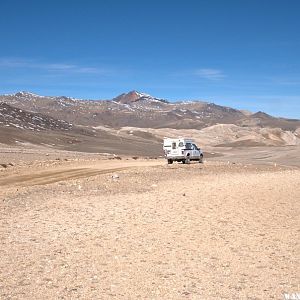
[[140, 229]]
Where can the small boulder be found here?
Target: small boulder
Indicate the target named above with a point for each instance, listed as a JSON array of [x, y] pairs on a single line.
[[115, 176]]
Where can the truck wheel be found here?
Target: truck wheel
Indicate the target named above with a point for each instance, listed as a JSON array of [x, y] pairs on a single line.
[[201, 159], [187, 160], [170, 161]]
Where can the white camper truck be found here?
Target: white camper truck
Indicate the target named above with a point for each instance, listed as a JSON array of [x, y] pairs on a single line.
[[182, 149]]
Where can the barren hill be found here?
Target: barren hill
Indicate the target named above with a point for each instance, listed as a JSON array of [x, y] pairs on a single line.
[[134, 123], [142, 110], [14, 117], [20, 127]]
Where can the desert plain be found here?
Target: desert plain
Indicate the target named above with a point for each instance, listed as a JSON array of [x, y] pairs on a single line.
[[97, 226]]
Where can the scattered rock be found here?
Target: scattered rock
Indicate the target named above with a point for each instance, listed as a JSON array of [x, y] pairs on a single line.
[[7, 165], [135, 157], [115, 176], [115, 157]]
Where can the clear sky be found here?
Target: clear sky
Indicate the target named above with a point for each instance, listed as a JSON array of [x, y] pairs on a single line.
[[243, 54]]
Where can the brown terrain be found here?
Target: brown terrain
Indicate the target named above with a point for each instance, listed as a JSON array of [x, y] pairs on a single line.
[[90, 209]]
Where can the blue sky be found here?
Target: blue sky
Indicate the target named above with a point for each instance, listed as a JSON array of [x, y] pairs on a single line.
[[243, 54]]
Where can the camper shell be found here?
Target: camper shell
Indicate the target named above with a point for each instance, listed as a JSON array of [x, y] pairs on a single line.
[[182, 149]]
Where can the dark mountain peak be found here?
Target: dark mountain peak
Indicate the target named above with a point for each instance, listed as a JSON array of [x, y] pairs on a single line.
[[129, 97], [262, 115], [134, 96]]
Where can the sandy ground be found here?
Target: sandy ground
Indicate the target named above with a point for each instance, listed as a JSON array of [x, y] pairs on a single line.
[[90, 227], [284, 156]]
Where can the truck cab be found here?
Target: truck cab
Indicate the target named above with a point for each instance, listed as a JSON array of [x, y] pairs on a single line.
[[182, 149]]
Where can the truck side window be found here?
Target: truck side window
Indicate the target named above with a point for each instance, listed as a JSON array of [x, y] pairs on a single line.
[[180, 144], [173, 145], [188, 146]]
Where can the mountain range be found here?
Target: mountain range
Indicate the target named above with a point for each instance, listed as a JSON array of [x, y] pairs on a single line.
[[78, 124]]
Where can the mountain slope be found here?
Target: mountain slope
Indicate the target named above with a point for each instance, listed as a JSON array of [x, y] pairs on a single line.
[[134, 96], [20, 127], [141, 110], [14, 117]]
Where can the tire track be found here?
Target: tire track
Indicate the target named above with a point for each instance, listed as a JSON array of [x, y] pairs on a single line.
[[48, 177]]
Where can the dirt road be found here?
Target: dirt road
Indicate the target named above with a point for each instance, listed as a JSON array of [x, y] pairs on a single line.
[[30, 176], [212, 231]]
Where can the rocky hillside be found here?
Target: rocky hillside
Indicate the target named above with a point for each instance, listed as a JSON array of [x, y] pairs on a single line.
[[15, 117], [141, 110], [21, 127], [135, 123]]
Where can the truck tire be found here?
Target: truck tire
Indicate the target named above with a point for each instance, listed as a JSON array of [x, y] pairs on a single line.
[[187, 160], [170, 161], [201, 159]]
